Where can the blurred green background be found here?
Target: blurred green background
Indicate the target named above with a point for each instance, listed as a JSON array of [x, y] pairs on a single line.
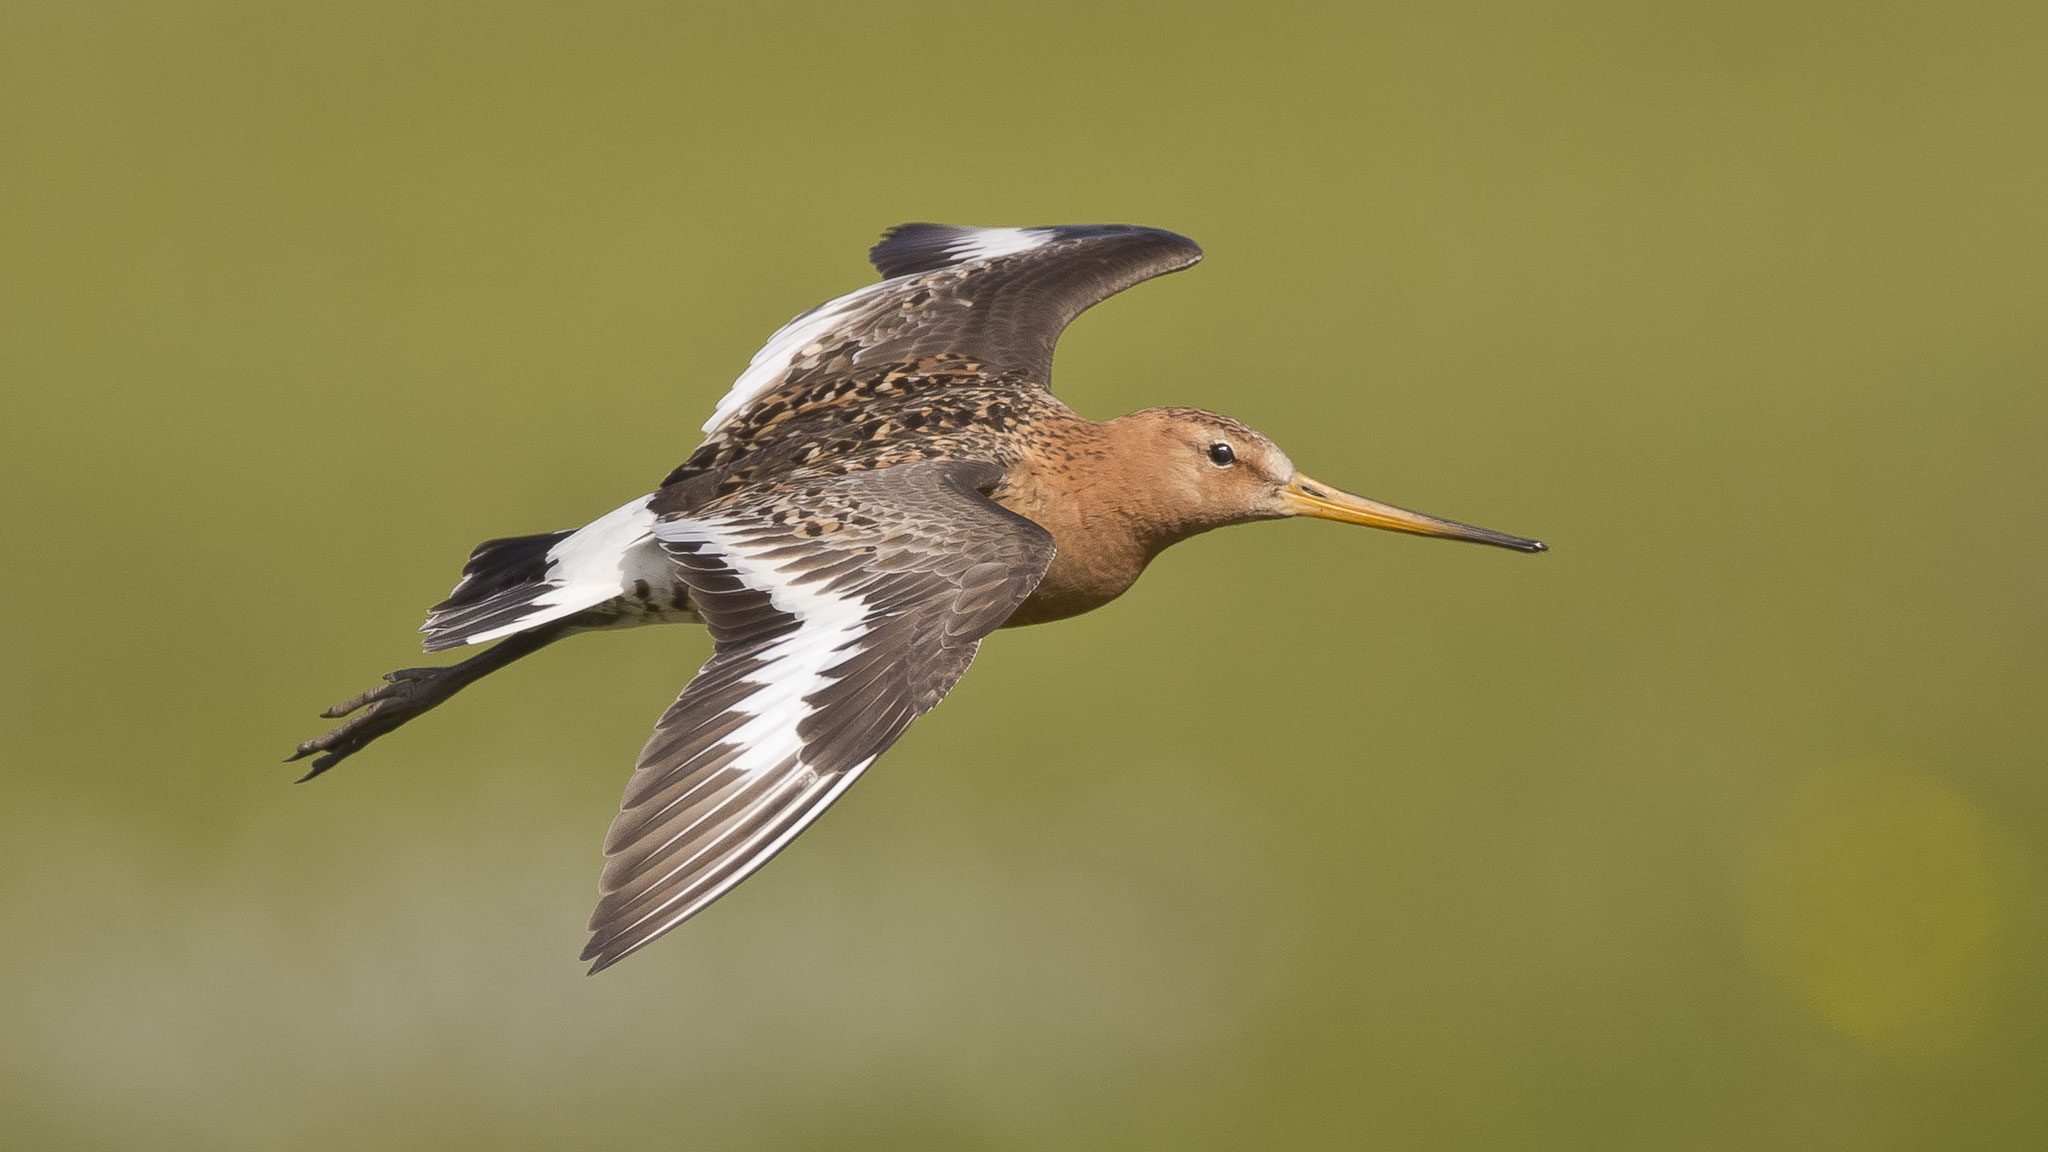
[[1723, 826]]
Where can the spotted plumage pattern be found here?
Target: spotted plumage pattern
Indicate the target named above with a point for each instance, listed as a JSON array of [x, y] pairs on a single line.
[[888, 481]]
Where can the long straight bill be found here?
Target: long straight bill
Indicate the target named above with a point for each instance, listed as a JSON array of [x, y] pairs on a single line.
[[1306, 497]]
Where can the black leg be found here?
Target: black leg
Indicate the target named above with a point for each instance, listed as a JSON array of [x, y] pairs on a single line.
[[410, 692]]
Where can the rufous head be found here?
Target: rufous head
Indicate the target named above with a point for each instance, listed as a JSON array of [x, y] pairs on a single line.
[[1199, 470]]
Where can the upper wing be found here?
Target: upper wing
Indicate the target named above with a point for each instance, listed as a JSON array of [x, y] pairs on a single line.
[[997, 296], [841, 612]]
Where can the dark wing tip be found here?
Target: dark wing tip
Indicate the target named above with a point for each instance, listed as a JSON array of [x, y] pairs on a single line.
[[607, 946], [911, 248]]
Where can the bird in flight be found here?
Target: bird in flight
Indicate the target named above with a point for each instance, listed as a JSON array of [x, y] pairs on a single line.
[[890, 480]]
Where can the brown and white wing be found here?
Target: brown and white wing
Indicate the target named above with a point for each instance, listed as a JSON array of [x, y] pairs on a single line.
[[842, 611], [998, 297]]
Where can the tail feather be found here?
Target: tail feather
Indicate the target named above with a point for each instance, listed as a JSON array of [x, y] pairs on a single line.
[[499, 584], [521, 582], [487, 619], [497, 565]]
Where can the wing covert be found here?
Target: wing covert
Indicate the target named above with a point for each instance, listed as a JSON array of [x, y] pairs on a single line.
[[997, 297], [841, 614]]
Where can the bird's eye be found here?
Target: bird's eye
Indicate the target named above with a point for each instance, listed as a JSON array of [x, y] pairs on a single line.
[[1220, 455]]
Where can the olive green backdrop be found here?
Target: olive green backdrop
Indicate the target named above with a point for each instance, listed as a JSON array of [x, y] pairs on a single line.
[[1723, 826]]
